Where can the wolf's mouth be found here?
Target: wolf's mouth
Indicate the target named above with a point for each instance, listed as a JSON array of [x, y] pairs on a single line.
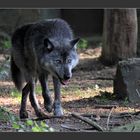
[[64, 82]]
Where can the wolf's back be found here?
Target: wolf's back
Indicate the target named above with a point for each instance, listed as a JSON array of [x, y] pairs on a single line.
[[16, 55]]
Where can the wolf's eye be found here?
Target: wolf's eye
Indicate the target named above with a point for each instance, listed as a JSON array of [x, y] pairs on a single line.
[[69, 61], [58, 61]]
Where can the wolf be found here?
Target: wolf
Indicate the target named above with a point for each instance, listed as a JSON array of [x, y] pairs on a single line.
[[39, 49]]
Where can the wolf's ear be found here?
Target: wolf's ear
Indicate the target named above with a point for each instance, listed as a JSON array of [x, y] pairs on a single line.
[[74, 42], [48, 45]]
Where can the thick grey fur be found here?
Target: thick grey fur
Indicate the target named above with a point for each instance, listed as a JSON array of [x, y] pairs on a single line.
[[39, 49]]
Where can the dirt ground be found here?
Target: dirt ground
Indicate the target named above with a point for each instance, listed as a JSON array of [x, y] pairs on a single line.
[[89, 93]]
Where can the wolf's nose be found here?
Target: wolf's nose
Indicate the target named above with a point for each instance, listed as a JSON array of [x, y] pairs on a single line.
[[66, 77]]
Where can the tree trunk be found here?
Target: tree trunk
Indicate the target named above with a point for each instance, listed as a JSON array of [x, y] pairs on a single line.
[[138, 42], [119, 35]]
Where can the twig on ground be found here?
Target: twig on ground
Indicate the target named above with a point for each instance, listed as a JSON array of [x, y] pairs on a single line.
[[105, 106], [136, 113], [109, 118], [133, 129], [88, 121], [129, 113], [102, 78], [121, 115], [94, 115], [83, 130]]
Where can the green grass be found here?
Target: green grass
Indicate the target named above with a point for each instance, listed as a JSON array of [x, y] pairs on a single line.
[[16, 94], [22, 126], [6, 115], [31, 126], [80, 92], [38, 89]]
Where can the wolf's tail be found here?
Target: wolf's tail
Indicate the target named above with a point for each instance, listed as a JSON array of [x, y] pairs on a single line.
[[17, 41], [16, 75]]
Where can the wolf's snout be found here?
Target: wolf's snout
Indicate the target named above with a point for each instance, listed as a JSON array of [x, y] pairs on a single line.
[[67, 77]]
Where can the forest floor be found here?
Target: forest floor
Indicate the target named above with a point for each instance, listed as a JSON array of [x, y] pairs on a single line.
[[89, 93]]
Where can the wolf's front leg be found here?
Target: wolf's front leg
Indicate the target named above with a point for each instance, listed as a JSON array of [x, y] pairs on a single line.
[[34, 101], [58, 111], [43, 78]]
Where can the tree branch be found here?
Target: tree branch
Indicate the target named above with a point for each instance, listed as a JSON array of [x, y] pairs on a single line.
[[88, 121]]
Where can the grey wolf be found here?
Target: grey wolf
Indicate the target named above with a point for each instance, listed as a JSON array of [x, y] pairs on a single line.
[[39, 49]]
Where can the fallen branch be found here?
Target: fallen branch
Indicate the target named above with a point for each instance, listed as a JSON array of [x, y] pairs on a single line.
[[102, 78], [129, 113], [83, 130], [94, 115], [123, 116], [70, 128], [88, 121], [109, 118], [136, 113], [105, 106], [105, 116], [120, 115]]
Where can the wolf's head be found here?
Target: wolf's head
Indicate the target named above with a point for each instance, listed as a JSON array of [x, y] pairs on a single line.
[[59, 58]]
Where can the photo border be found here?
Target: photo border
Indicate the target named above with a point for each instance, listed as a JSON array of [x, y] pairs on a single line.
[[69, 3], [66, 4]]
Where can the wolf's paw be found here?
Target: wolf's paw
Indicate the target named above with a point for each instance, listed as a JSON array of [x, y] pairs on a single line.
[[58, 110], [48, 104], [23, 114]]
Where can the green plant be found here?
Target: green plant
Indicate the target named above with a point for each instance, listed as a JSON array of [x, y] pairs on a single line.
[[6, 44], [126, 101], [32, 126], [23, 126], [16, 94], [83, 44], [7, 116]]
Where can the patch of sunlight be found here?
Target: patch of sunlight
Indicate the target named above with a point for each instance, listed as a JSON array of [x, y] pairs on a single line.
[[90, 53], [10, 101], [78, 92], [126, 109], [6, 83]]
